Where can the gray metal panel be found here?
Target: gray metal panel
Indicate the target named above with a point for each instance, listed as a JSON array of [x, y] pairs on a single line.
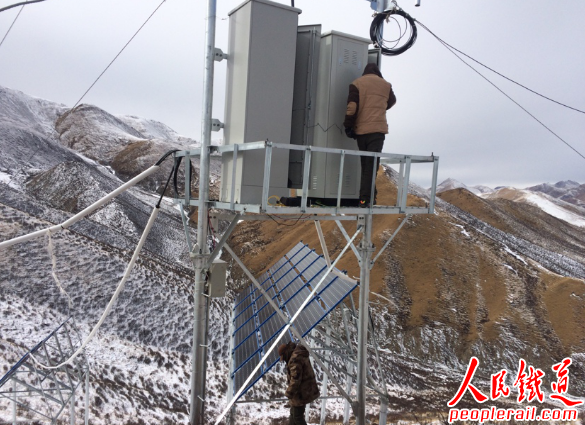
[[267, 2], [236, 96], [343, 58], [350, 56], [375, 56], [318, 159], [305, 91], [259, 95]]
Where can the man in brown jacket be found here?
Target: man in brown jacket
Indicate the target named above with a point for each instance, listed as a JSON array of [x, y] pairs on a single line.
[[302, 385], [370, 96]]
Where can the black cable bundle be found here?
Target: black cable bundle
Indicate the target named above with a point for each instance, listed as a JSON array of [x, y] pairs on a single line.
[[378, 39]]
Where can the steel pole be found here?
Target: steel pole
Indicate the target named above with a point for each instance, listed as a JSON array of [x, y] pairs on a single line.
[[365, 249], [200, 302]]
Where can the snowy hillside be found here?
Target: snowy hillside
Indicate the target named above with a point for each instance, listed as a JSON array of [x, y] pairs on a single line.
[[568, 191], [561, 200], [500, 277], [553, 206]]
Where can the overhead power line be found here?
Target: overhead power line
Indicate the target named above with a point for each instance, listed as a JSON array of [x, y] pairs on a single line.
[[453, 51], [119, 53], [11, 25], [501, 75], [22, 3]]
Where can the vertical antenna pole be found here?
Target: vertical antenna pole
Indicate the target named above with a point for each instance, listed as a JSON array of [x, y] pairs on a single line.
[[365, 248], [200, 300]]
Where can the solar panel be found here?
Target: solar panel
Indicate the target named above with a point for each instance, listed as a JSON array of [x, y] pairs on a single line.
[[288, 283]]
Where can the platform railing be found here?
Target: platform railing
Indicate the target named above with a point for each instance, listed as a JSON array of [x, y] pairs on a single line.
[[405, 163]]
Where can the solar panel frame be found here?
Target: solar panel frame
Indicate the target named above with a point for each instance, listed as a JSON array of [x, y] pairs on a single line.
[[288, 282]]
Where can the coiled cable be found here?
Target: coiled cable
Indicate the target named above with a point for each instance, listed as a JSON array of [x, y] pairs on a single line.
[[376, 32]]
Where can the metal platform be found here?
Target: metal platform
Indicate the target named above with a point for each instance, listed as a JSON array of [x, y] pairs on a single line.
[[405, 163]]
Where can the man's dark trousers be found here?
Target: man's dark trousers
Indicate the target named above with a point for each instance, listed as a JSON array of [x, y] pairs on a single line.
[[297, 416], [373, 142]]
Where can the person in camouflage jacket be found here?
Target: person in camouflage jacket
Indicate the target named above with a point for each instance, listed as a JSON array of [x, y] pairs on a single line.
[[302, 386]]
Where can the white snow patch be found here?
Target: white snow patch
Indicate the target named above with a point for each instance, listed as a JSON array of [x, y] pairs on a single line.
[[5, 178], [547, 204], [555, 210], [513, 254], [511, 268], [463, 231]]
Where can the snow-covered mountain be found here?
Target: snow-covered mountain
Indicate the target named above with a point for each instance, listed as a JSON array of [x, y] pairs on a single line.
[[568, 191], [561, 200], [499, 277], [451, 184], [554, 206]]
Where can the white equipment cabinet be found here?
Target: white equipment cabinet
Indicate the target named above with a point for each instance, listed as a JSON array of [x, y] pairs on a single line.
[[259, 95]]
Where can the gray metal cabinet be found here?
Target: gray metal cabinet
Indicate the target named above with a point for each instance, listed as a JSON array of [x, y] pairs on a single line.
[[342, 60], [259, 95]]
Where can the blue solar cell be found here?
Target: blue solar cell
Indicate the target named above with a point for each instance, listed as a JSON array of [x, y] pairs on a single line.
[[285, 280], [244, 333], [265, 282]]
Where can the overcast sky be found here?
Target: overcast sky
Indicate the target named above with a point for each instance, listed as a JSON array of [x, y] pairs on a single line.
[[57, 48]]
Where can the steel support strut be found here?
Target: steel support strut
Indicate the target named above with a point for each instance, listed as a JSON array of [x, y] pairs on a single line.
[[200, 300], [365, 249]]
